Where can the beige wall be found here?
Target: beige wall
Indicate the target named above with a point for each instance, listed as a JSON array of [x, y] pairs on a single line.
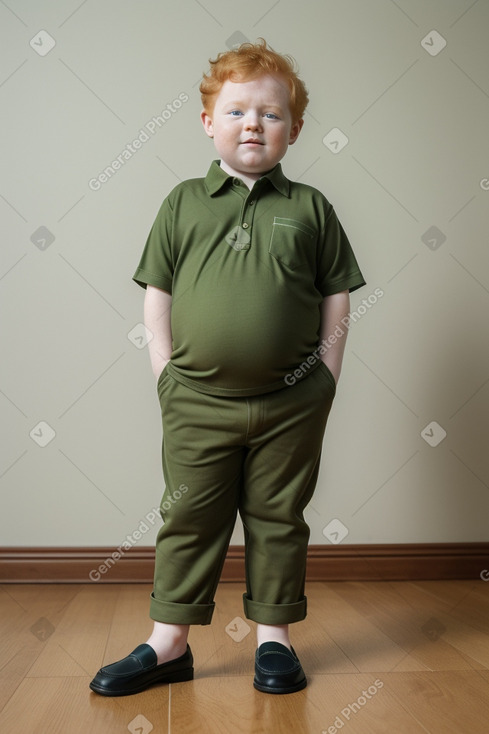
[[416, 160]]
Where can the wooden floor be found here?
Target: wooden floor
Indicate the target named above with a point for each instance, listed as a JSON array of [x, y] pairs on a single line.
[[380, 657]]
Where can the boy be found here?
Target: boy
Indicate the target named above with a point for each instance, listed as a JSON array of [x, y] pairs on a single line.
[[247, 274]]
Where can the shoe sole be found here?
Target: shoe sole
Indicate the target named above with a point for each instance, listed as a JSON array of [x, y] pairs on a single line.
[[177, 677], [292, 689]]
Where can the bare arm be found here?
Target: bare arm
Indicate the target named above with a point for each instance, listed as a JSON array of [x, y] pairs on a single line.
[[333, 309], [157, 311]]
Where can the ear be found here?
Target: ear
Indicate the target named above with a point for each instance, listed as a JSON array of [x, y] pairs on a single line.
[[207, 123], [295, 130]]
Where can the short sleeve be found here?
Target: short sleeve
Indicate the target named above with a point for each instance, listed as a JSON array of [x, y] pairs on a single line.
[[338, 269], [156, 264]]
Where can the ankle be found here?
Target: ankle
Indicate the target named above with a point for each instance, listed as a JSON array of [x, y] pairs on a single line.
[[273, 633], [169, 641]]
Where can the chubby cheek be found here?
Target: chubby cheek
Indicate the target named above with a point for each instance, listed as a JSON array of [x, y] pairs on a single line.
[[221, 140], [226, 137], [279, 141]]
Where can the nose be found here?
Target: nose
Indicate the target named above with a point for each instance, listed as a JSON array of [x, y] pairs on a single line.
[[252, 121]]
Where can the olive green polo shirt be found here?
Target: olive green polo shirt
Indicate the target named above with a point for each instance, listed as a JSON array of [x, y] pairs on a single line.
[[247, 271]]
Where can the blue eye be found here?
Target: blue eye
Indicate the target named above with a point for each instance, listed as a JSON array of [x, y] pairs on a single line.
[[235, 113], [271, 116]]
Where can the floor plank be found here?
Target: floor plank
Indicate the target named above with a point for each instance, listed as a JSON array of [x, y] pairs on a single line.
[[327, 699], [414, 622], [364, 642], [62, 705], [75, 647], [28, 617], [380, 657], [450, 702]]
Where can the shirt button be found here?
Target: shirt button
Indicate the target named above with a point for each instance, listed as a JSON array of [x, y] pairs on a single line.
[[251, 203], [245, 225]]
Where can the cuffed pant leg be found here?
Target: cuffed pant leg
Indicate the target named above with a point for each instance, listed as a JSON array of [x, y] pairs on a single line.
[[274, 613], [173, 613], [280, 476], [202, 466]]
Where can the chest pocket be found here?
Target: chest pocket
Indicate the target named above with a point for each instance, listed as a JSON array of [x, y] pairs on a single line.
[[292, 242]]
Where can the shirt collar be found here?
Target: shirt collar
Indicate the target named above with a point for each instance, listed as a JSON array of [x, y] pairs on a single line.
[[217, 177]]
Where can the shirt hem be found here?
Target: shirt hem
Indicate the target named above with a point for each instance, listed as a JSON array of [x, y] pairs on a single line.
[[240, 392]]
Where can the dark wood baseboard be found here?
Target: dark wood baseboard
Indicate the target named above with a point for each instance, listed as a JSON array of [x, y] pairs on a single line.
[[379, 562]]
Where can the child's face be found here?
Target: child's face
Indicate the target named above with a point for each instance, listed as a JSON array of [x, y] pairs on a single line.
[[251, 125]]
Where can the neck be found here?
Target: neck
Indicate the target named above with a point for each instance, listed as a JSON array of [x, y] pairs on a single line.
[[247, 178]]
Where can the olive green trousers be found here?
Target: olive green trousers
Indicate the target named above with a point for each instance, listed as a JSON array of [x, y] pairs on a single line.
[[258, 456]]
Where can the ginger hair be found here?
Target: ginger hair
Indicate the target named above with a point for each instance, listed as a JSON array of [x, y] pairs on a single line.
[[250, 61]]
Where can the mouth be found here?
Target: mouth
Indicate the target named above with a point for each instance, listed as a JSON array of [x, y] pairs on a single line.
[[252, 142]]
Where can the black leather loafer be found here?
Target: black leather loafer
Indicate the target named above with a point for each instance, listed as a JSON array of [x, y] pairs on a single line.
[[139, 670], [277, 669]]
